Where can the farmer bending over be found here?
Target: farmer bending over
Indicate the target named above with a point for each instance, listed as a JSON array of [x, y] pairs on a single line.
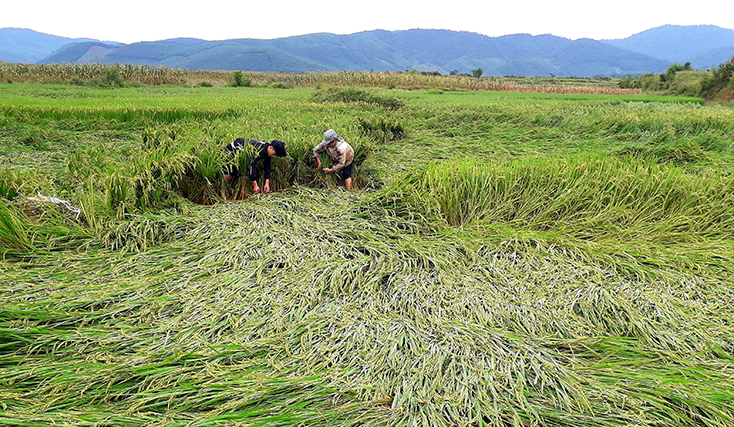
[[265, 152], [340, 152]]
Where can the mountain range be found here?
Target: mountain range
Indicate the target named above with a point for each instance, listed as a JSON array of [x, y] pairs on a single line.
[[420, 49]]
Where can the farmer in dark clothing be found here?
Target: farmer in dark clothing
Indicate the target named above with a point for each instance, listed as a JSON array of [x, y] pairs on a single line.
[[263, 152]]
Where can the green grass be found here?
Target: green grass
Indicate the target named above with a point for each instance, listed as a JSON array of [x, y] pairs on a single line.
[[509, 259], [476, 97]]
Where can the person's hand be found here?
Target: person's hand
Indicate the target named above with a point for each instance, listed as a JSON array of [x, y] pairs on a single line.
[[266, 188], [328, 170], [318, 160], [256, 189], [228, 178]]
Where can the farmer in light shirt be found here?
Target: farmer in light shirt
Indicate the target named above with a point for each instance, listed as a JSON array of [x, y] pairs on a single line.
[[341, 154]]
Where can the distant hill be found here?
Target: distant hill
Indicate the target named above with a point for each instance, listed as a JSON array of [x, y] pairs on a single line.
[[714, 57], [701, 45], [28, 46], [185, 40], [423, 50]]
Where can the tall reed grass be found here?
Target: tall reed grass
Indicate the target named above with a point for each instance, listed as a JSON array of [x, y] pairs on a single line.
[[143, 74], [54, 73]]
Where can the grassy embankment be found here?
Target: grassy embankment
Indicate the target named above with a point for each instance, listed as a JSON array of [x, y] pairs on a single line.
[[533, 259]]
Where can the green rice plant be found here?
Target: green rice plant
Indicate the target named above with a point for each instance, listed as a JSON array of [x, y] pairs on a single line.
[[586, 201], [49, 229], [679, 154], [382, 129], [39, 139], [136, 233], [14, 232], [650, 121], [521, 279], [120, 116], [95, 161], [119, 191], [264, 311], [9, 184], [393, 80], [541, 193], [157, 176]]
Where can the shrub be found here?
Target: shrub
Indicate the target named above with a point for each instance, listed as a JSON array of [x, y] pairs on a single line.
[[112, 77], [630, 83], [240, 81], [355, 95], [716, 84]]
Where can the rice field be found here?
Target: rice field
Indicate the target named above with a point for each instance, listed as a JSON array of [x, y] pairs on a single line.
[[507, 259]]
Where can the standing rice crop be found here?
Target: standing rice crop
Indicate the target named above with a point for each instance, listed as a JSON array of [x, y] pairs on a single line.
[[591, 199]]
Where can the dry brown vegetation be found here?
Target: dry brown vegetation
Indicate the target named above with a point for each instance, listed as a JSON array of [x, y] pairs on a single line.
[[140, 74]]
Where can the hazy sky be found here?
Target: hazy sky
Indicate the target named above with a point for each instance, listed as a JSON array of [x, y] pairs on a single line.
[[131, 21]]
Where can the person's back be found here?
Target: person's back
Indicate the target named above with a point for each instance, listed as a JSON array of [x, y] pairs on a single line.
[[239, 145], [263, 152], [231, 172]]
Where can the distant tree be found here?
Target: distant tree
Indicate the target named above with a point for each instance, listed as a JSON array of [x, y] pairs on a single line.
[[720, 81], [240, 81], [113, 78], [669, 74], [629, 82], [477, 73], [453, 73]]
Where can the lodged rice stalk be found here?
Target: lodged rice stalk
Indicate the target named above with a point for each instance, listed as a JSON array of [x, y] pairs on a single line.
[[587, 199], [321, 308], [577, 292]]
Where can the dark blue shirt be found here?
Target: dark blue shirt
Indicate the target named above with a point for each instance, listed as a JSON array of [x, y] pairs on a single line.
[[262, 155]]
